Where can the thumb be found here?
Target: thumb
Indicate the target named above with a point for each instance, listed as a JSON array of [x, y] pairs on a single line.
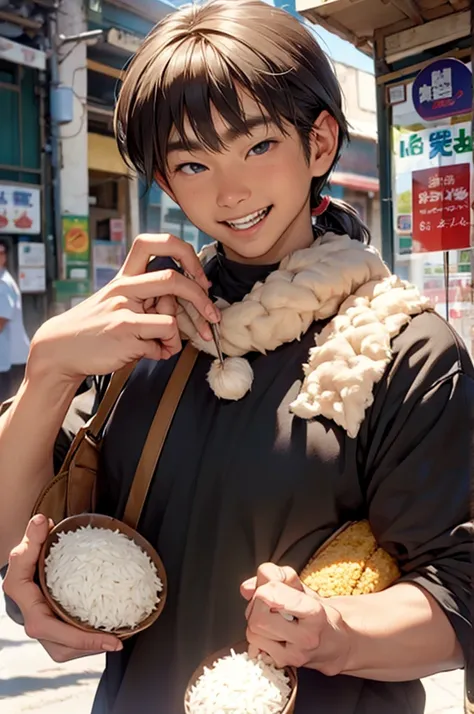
[[248, 587], [24, 557], [269, 572]]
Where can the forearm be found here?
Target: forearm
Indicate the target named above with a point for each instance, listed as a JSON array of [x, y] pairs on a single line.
[[397, 635], [28, 431]]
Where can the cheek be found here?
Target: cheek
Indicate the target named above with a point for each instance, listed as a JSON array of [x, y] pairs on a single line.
[[191, 194]]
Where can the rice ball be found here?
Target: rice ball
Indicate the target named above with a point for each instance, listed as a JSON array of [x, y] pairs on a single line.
[[103, 578]]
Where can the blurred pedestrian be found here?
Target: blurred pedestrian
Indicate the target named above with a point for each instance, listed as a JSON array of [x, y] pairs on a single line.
[[14, 342]]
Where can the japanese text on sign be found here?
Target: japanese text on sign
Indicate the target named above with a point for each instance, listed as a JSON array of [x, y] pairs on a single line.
[[441, 86], [19, 210], [441, 142], [441, 208]]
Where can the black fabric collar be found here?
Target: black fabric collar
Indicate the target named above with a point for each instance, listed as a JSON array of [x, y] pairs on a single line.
[[231, 280]]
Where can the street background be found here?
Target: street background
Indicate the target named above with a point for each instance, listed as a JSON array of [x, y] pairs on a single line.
[[31, 682]]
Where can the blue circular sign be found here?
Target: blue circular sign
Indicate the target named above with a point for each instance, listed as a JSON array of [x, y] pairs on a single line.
[[443, 89]]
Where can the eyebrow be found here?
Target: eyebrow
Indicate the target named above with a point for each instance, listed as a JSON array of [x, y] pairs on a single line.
[[231, 134]]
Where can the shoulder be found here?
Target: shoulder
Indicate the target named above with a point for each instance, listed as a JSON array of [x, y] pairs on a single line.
[[430, 370], [429, 350], [7, 282]]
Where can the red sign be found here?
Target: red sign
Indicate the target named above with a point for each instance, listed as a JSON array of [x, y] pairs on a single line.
[[117, 229], [441, 208]]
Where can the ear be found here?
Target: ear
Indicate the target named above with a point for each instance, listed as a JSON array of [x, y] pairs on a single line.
[[164, 186], [324, 141]]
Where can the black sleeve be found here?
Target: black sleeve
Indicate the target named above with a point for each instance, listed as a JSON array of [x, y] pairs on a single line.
[[417, 441]]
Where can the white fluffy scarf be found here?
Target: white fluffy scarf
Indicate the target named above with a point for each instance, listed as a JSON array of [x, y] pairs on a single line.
[[336, 277]]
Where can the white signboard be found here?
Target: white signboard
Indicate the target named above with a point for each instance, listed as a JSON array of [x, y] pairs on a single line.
[[31, 255], [32, 280], [21, 54], [32, 267], [20, 211]]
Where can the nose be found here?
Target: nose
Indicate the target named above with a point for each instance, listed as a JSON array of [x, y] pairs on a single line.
[[231, 191]]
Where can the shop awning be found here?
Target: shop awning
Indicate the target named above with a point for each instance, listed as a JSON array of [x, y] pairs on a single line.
[[103, 155], [356, 182], [400, 26]]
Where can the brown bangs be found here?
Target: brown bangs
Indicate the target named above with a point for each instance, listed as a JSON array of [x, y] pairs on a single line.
[[197, 58]]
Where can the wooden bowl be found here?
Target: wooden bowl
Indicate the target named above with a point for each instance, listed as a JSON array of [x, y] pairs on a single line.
[[96, 520], [239, 648]]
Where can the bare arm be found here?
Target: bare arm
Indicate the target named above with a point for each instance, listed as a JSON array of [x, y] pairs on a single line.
[[121, 323], [28, 431], [392, 636], [398, 634], [3, 322]]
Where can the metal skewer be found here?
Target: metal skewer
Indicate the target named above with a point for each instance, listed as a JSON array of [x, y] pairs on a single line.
[[217, 341], [214, 329]]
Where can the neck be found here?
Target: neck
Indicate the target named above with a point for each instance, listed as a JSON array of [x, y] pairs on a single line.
[[299, 234]]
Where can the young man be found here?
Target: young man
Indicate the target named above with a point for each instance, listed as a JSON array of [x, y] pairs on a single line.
[[236, 112]]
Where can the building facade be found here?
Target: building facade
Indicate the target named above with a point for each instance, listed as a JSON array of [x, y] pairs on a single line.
[[423, 52], [24, 165]]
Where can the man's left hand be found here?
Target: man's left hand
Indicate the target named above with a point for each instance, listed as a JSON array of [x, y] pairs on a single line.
[[316, 637]]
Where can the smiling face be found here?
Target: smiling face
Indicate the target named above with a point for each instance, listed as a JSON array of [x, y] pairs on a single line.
[[253, 196], [243, 139]]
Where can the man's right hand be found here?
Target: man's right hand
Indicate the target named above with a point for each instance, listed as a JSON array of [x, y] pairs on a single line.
[[134, 316], [62, 642]]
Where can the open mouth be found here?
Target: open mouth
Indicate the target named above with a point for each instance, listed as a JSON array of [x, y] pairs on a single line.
[[249, 221]]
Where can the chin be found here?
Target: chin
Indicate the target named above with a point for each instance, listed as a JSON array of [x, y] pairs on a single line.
[[250, 252]]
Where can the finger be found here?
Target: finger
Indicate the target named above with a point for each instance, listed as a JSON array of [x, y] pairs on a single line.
[[158, 334], [165, 282], [291, 578], [24, 557], [287, 575], [276, 650], [187, 309], [163, 245], [269, 572], [165, 305], [279, 597], [248, 587], [41, 624], [272, 625], [65, 654]]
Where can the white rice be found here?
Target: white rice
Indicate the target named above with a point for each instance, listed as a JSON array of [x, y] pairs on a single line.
[[237, 684], [103, 578]]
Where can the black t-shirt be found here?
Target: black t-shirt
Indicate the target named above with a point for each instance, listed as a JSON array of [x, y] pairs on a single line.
[[241, 483]]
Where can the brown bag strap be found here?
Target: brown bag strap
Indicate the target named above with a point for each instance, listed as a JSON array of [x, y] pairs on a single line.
[[157, 435], [109, 400]]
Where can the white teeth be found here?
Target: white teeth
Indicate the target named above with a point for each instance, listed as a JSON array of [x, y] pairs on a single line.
[[248, 221]]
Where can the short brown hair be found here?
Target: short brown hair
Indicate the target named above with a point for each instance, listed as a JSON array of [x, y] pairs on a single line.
[[197, 57]]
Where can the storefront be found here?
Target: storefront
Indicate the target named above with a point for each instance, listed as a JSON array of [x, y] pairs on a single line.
[[422, 54], [23, 199]]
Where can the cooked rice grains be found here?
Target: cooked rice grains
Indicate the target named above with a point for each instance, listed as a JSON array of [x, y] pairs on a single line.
[[103, 578], [237, 684]]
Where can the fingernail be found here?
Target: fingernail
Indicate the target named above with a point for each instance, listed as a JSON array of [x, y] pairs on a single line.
[[39, 519], [110, 647], [212, 314]]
